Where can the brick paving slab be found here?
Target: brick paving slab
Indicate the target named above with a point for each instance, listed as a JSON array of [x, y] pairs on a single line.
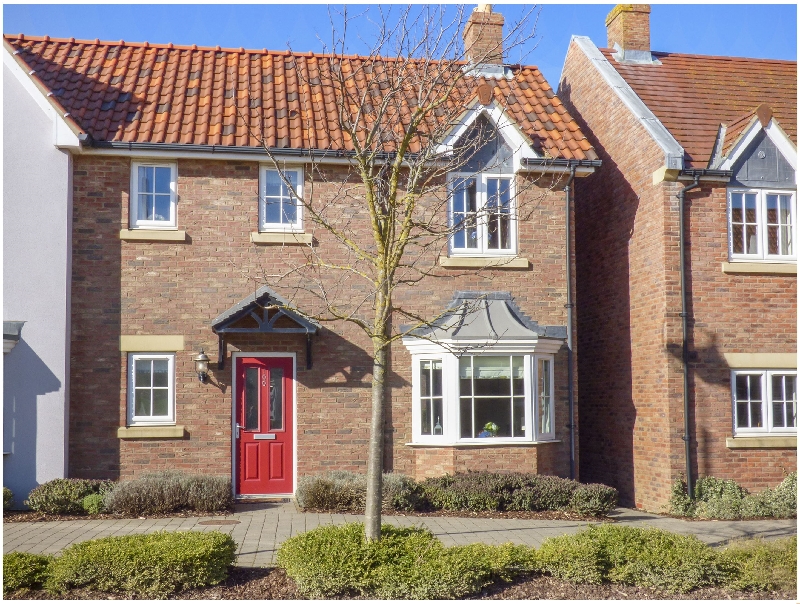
[[263, 527]]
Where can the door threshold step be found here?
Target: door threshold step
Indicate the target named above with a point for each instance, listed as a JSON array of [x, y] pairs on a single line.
[[264, 499]]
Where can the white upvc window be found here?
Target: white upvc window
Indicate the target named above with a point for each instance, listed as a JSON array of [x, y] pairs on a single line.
[[151, 388], [764, 401], [279, 208], [762, 225], [153, 195], [482, 212], [478, 398]]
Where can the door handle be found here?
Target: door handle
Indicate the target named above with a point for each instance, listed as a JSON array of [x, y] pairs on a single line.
[[238, 427]]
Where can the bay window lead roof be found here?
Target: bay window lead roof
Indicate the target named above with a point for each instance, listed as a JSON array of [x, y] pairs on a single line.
[[489, 316], [257, 306]]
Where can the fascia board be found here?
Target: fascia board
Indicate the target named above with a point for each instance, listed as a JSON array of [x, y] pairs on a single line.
[[775, 133], [64, 135], [673, 152]]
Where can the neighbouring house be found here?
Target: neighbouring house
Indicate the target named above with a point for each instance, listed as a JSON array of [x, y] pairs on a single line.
[[37, 238], [178, 216], [721, 132]]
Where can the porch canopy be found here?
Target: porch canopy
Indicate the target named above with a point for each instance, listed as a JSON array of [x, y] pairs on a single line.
[[263, 311], [485, 317]]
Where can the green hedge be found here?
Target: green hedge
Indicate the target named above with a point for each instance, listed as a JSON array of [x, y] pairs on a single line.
[[756, 564], [634, 556], [721, 499], [491, 491], [407, 563], [8, 498], [150, 566], [164, 492], [65, 495], [473, 491], [24, 571]]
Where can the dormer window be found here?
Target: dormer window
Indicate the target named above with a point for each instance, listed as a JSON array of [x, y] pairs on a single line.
[[761, 224], [482, 215]]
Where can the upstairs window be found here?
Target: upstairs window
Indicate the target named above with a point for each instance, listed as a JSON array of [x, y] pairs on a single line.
[[153, 196], [482, 215], [761, 225], [279, 209]]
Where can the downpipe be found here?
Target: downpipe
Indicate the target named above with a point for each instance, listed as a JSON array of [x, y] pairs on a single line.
[[685, 325], [569, 306]]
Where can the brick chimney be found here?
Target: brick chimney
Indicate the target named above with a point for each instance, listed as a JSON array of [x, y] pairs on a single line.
[[483, 36], [628, 27]]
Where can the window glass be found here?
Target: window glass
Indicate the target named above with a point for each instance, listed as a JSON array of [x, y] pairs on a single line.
[[276, 399], [280, 207], [465, 214], [151, 394], [488, 403], [765, 401], [545, 403], [482, 216], [251, 398], [431, 407], [154, 194], [761, 224]]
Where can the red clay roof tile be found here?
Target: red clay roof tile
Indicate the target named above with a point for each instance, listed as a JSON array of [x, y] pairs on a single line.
[[693, 94], [139, 92]]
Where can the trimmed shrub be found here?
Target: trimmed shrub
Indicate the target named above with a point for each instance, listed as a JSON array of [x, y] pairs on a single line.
[[8, 498], [762, 565], [632, 556], [92, 504], [169, 491], [407, 563], [593, 499], [490, 491], [24, 571], [151, 566], [345, 491], [720, 499], [65, 495]]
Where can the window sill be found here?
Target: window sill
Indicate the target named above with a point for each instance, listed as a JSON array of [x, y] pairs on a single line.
[[761, 442], [151, 432], [151, 235], [768, 268], [502, 443], [287, 238], [514, 262]]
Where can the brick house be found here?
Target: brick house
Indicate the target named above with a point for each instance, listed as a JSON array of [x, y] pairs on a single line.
[[173, 225], [724, 131]]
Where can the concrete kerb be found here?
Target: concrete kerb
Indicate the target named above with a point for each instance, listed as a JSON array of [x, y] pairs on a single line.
[[261, 529]]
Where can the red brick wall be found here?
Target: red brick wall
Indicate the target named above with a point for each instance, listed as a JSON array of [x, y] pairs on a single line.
[[629, 306], [160, 288]]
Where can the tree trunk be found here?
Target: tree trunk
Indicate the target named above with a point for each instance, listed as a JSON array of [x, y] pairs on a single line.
[[375, 463]]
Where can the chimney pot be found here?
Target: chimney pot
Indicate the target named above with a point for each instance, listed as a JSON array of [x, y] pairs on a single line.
[[628, 27], [483, 36]]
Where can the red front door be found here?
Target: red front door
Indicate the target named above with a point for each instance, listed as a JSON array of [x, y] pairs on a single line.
[[263, 430]]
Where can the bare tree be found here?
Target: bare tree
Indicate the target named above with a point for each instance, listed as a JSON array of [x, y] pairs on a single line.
[[396, 108]]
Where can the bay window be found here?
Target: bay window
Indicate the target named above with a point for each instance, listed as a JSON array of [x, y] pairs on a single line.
[[469, 398]]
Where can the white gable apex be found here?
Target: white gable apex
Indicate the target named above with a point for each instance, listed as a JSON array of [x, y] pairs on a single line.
[[508, 129], [775, 133], [63, 136]]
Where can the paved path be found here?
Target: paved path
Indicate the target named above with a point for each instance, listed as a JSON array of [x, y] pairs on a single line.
[[261, 528]]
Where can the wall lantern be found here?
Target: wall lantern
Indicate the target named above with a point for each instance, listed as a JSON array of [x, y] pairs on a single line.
[[201, 366]]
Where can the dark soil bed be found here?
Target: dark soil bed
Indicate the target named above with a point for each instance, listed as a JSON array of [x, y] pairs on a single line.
[[273, 584], [550, 515]]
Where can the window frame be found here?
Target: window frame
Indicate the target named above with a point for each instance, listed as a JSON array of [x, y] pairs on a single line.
[[133, 208], [275, 227], [481, 199], [765, 376], [762, 232], [160, 420], [451, 396]]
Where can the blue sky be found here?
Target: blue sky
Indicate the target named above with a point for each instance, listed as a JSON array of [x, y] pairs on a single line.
[[765, 31]]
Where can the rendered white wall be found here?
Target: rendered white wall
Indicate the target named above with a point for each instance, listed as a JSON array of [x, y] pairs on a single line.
[[37, 217]]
